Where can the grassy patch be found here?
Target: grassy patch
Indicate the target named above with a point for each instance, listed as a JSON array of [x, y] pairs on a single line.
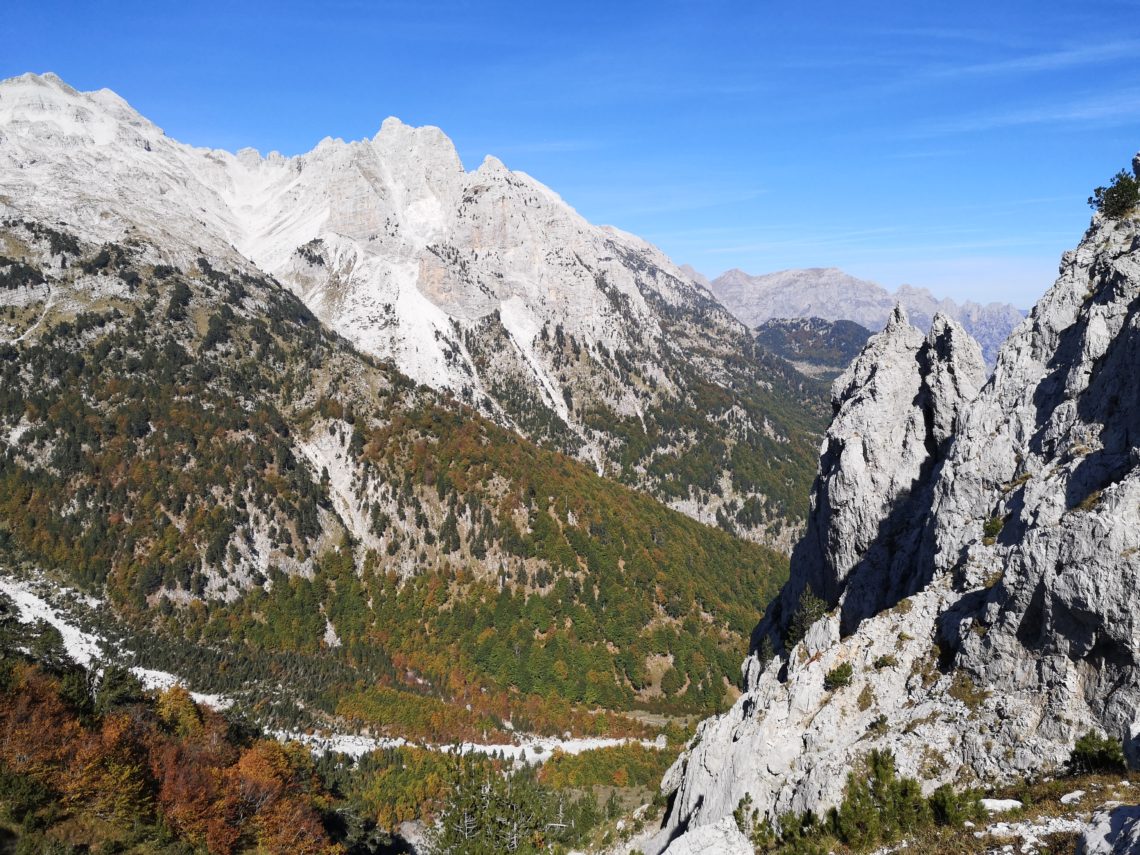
[[991, 529], [838, 677], [964, 689]]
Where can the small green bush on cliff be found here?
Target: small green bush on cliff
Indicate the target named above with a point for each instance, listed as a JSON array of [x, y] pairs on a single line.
[[838, 677], [1096, 753], [809, 609], [1120, 197]]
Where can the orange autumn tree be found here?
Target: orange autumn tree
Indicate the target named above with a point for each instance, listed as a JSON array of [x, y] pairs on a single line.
[[111, 776], [30, 708], [159, 763], [272, 790]]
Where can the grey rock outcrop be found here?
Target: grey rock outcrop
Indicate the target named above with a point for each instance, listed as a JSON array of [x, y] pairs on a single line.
[[1115, 831], [721, 838], [981, 555], [895, 410]]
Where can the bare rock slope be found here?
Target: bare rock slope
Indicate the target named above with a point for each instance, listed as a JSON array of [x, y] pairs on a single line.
[[979, 552]]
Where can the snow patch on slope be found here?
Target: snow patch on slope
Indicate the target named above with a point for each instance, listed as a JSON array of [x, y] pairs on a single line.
[[523, 327], [327, 451], [86, 648], [528, 749], [82, 647]]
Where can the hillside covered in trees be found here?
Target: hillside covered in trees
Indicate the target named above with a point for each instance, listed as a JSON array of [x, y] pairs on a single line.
[[192, 444], [131, 771]]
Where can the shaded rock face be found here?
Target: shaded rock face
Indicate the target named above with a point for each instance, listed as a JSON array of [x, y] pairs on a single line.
[[1115, 831], [896, 408], [980, 551]]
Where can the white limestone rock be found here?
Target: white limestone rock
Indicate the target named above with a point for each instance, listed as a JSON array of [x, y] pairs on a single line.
[[983, 561], [896, 409], [721, 838], [1113, 831]]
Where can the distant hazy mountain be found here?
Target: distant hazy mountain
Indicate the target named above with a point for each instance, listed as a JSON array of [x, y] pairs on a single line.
[[816, 347], [831, 294]]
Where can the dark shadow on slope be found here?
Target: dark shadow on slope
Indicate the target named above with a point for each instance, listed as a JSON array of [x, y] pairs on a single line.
[[397, 846], [683, 825], [891, 569], [888, 570], [1112, 400], [954, 621]]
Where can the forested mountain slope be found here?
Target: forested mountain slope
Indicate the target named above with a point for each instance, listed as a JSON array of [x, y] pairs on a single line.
[[814, 346], [483, 284], [191, 441]]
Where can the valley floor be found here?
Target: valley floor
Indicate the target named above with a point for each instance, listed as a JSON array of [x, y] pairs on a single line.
[[85, 647]]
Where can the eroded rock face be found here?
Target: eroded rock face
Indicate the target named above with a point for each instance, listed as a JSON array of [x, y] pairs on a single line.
[[983, 553], [896, 408]]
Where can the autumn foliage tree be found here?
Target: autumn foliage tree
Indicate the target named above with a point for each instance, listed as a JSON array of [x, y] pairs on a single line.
[[158, 762]]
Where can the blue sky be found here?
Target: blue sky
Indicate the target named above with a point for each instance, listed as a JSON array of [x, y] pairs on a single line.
[[950, 145]]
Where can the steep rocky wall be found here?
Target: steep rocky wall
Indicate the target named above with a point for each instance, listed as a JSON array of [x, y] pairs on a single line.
[[981, 556], [895, 412]]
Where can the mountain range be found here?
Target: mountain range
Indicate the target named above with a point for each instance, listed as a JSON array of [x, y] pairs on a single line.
[[833, 295], [384, 499], [484, 285], [365, 443]]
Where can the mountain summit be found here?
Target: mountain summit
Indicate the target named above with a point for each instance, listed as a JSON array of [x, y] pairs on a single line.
[[483, 284]]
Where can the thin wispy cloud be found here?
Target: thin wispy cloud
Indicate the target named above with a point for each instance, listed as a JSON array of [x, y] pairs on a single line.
[[925, 154], [1057, 60], [551, 146], [858, 236], [893, 239], [948, 34], [663, 199], [1109, 109]]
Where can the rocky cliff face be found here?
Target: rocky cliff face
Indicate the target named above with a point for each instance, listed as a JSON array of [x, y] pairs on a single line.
[[482, 283], [834, 295], [896, 409], [979, 552]]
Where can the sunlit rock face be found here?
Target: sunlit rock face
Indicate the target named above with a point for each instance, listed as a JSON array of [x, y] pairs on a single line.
[[980, 552], [483, 283]]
